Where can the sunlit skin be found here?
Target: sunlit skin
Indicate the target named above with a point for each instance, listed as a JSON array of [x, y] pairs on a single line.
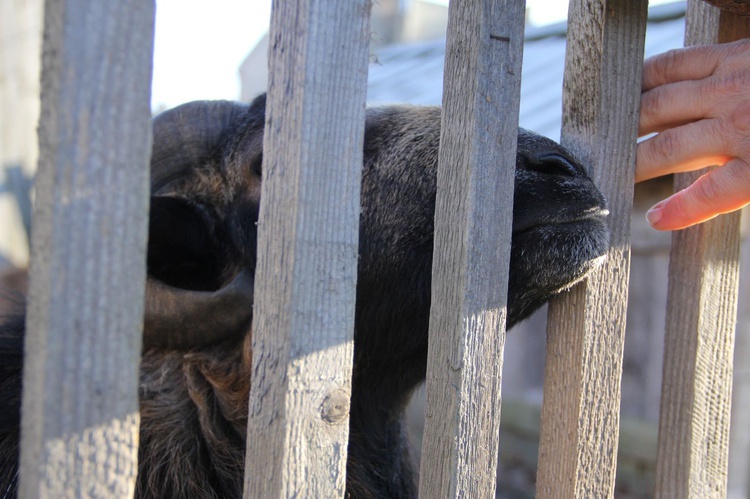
[[698, 100]]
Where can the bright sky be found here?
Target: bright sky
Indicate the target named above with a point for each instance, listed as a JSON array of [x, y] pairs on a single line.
[[199, 45]]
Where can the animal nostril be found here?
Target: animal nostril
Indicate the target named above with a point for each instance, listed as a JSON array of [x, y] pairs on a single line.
[[556, 164]]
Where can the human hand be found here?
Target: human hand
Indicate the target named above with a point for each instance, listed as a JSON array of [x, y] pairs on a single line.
[[698, 100]]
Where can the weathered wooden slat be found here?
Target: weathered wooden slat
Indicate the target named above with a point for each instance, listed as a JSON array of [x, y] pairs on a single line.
[[586, 326], [738, 481], [701, 317], [472, 247], [80, 398], [307, 249], [20, 47]]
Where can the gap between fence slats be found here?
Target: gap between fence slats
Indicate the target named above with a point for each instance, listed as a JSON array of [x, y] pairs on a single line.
[[307, 250], [472, 248], [701, 318], [21, 28], [80, 393], [586, 326]]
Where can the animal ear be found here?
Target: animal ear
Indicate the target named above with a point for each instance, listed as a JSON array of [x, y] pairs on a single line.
[[187, 304], [182, 248]]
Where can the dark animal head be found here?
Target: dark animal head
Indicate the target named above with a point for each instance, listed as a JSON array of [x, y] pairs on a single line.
[[195, 371], [206, 189], [206, 177]]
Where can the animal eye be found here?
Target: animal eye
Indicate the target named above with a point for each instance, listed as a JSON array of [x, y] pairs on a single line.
[[256, 166], [556, 164]]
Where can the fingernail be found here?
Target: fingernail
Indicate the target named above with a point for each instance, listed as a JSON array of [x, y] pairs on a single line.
[[654, 214]]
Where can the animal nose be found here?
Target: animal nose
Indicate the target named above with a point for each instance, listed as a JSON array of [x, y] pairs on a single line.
[[556, 164]]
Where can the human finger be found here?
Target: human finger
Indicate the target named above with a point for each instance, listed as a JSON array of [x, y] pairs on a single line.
[[671, 105], [689, 63], [722, 190], [684, 148]]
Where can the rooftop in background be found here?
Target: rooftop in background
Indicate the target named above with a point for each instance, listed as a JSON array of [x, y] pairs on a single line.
[[413, 72]]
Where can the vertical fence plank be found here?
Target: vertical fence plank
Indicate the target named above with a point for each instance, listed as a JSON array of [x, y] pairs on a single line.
[[80, 399], [586, 327], [307, 249], [738, 481], [701, 317], [20, 50], [470, 266]]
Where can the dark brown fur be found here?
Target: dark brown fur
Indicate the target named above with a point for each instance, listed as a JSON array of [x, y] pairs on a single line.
[[183, 395]]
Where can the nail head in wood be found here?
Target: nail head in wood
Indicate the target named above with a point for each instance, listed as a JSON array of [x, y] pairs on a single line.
[[335, 407]]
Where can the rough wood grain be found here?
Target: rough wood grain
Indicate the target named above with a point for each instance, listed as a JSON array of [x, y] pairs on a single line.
[[307, 249], [80, 398], [701, 317], [580, 414], [738, 481], [20, 49], [470, 263]]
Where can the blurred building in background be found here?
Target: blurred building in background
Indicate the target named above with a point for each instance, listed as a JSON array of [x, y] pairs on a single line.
[[392, 22], [20, 65]]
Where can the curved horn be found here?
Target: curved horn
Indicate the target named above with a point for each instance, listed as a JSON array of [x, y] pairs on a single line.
[[184, 319], [189, 135]]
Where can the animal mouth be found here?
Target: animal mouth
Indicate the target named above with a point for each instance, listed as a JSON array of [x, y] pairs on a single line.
[[596, 215]]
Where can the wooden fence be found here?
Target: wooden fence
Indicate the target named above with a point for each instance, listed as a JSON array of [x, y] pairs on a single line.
[[89, 237]]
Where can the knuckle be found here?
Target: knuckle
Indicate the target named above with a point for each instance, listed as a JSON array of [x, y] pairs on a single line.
[[664, 64], [743, 173], [717, 133], [706, 190], [732, 84], [739, 118], [689, 206], [739, 48], [653, 103], [666, 146]]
